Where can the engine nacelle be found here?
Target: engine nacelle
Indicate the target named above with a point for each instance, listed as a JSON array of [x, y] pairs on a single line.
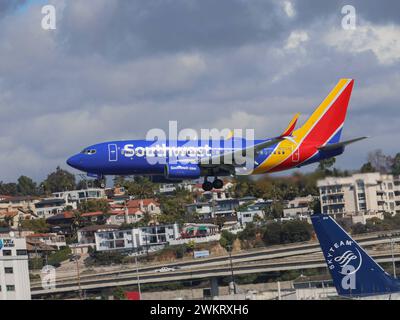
[[182, 171]]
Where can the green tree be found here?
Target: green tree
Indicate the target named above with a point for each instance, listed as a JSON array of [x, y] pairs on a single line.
[[10, 189], [325, 165], [249, 232], [295, 231], [272, 233], [227, 239], [140, 187], [59, 256], [396, 164], [119, 293], [26, 186], [276, 210], [367, 167], [35, 225], [94, 205], [60, 180]]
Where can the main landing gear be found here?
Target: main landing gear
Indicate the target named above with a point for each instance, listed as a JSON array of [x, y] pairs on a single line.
[[216, 184]]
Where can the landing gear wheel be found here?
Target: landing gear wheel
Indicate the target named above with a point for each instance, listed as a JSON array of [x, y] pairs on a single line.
[[218, 184], [207, 186]]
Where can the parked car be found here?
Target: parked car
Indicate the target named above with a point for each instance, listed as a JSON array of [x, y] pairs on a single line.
[[165, 269]]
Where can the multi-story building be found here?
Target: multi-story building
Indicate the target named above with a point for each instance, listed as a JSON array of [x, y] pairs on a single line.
[[20, 207], [137, 238], [86, 235], [49, 207], [150, 206], [51, 239], [299, 208], [72, 198], [361, 196], [250, 214], [14, 273]]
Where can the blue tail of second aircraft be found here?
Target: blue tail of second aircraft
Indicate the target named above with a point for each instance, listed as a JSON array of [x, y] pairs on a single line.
[[353, 271]]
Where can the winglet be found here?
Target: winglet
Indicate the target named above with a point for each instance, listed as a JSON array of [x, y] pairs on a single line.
[[230, 135], [292, 125]]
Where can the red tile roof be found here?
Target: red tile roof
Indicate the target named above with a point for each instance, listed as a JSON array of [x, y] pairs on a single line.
[[68, 214], [136, 202], [92, 214], [39, 235]]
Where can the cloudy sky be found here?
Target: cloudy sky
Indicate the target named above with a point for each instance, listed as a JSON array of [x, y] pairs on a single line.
[[113, 69]]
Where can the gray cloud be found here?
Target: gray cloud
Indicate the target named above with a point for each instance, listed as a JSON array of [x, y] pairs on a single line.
[[118, 68]]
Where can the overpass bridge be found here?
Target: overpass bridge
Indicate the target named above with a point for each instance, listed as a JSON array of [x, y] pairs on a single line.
[[298, 256]]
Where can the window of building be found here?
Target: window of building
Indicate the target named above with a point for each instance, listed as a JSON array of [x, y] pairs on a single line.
[[6, 253], [361, 196], [8, 270], [10, 288]]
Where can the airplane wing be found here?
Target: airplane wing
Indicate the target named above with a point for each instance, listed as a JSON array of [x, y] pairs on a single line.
[[219, 159], [340, 144]]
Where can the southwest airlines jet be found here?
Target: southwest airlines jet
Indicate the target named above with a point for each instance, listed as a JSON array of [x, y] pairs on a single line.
[[176, 160]]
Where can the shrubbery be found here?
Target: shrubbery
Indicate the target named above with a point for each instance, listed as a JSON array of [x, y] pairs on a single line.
[[59, 256], [287, 232], [375, 224]]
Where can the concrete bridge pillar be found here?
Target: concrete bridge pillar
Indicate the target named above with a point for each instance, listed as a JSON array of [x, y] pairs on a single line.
[[214, 286]]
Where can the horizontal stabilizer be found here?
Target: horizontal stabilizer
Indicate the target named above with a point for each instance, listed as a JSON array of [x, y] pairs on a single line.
[[339, 144]]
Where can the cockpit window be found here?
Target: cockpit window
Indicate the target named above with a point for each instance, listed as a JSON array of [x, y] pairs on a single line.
[[88, 151]]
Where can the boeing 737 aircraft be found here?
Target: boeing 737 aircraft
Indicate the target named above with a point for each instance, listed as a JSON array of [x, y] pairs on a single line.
[[354, 273], [173, 161]]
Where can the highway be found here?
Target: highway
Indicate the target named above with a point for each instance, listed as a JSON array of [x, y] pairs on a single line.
[[278, 258]]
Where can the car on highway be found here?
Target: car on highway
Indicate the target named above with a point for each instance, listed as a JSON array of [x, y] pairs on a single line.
[[165, 269]]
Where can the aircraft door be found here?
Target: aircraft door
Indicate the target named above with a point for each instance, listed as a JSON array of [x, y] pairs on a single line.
[[295, 154], [112, 152]]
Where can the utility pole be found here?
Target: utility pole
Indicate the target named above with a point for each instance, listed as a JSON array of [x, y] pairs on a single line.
[[138, 279], [392, 249], [137, 268], [78, 274], [229, 247]]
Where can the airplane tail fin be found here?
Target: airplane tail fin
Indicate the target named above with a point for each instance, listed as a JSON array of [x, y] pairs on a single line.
[[324, 126], [353, 271]]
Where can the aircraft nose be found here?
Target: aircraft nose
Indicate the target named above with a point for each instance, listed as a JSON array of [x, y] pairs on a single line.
[[74, 161]]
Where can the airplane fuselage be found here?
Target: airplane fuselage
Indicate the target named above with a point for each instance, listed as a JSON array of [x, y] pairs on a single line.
[[140, 157]]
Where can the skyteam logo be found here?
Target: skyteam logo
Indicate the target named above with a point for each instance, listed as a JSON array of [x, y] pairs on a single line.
[[1, 244], [343, 257]]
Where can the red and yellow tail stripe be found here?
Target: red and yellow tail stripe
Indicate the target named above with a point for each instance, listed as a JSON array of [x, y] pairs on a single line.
[[315, 132]]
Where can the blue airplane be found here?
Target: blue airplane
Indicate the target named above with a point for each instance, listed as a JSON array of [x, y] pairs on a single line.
[[168, 161], [355, 274]]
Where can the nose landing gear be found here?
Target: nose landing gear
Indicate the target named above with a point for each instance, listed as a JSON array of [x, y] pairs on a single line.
[[216, 184]]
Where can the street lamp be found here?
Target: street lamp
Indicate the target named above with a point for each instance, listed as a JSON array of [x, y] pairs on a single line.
[[229, 247], [392, 250], [138, 279]]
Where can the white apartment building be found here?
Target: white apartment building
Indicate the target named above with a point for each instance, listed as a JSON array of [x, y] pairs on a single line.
[[14, 273], [49, 207], [137, 238], [299, 208], [361, 196], [72, 198]]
